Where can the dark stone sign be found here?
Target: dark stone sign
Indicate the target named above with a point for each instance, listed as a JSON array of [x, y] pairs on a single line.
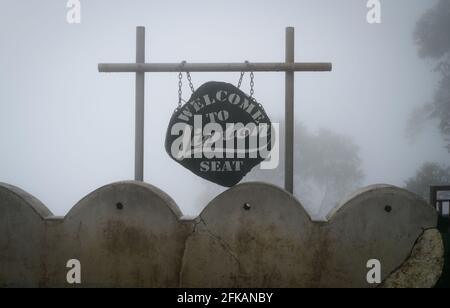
[[220, 134]]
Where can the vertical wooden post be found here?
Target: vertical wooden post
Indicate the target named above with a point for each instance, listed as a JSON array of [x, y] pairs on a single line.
[[140, 95], [289, 113]]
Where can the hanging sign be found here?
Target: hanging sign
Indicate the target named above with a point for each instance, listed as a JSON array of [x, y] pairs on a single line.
[[220, 134]]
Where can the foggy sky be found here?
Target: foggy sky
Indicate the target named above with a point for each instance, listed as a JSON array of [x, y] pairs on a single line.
[[66, 129]]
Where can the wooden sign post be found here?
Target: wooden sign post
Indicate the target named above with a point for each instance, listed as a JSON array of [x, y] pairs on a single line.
[[289, 67]]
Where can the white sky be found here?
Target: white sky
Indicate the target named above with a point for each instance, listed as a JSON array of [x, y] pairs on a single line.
[[66, 129]]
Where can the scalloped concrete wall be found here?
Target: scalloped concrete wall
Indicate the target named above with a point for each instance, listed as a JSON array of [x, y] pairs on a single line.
[[131, 234]]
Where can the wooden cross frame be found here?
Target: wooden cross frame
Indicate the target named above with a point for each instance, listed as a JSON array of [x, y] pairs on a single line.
[[289, 67]]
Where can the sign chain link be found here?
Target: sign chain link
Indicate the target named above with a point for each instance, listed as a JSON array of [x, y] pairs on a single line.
[[191, 86], [252, 80], [180, 90], [180, 84], [252, 85], [188, 74]]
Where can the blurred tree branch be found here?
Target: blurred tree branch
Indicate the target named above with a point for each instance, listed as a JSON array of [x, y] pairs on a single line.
[[432, 36]]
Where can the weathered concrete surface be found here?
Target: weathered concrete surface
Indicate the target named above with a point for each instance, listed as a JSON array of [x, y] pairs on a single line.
[[125, 234], [271, 244], [378, 222], [253, 235], [22, 232], [424, 267], [275, 243]]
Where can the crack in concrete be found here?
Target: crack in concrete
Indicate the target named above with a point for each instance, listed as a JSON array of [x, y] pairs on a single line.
[[227, 248], [410, 254], [196, 223], [222, 242], [180, 273]]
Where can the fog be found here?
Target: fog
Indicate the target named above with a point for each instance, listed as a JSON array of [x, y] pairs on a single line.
[[66, 129]]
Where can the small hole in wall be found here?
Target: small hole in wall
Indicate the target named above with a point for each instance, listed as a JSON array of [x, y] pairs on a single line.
[[119, 206], [247, 206], [388, 208]]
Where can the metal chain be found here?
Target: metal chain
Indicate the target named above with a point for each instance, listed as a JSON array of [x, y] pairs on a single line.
[[190, 81], [180, 84], [252, 84], [189, 78], [242, 76], [240, 80], [252, 80], [180, 89]]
